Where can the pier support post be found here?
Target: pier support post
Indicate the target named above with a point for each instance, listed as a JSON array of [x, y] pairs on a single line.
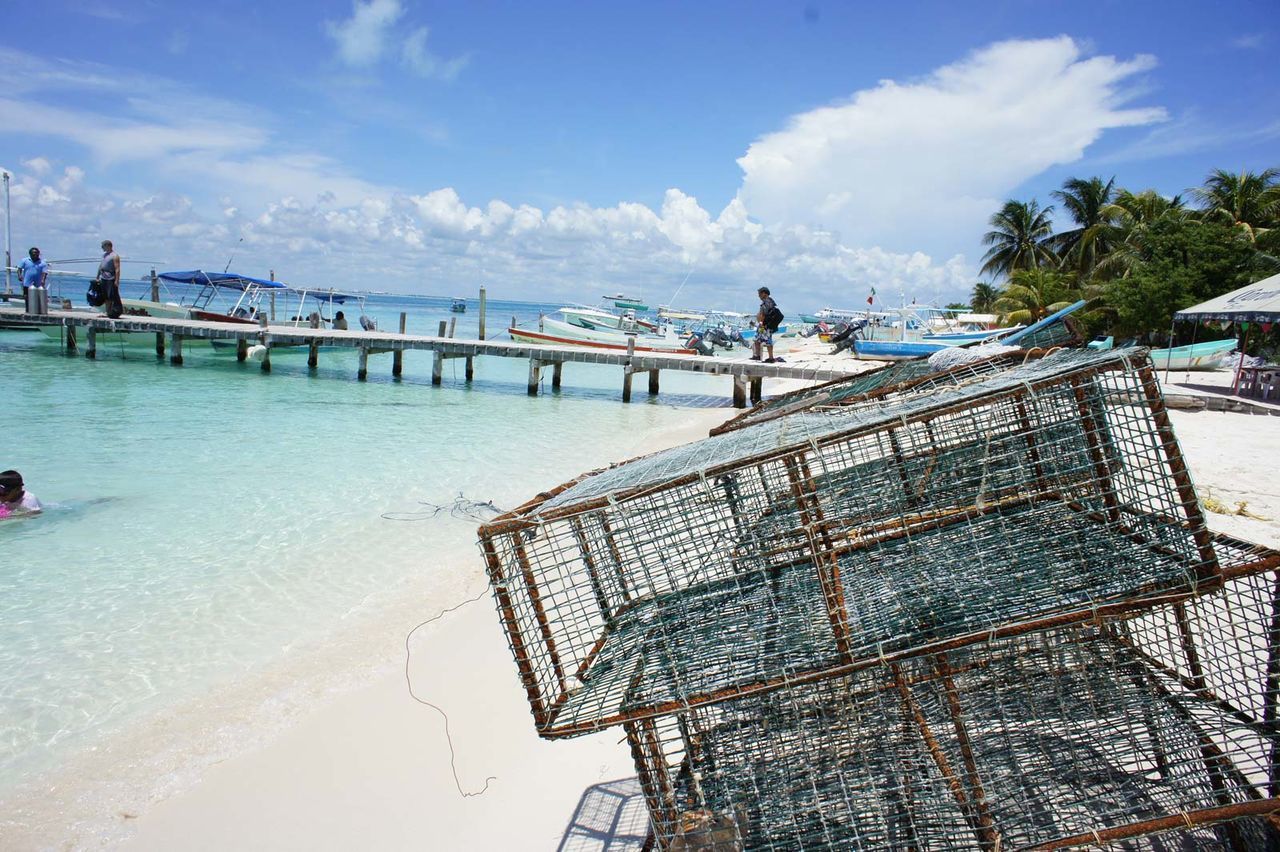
[[266, 358], [313, 353], [482, 307], [175, 349], [362, 374], [756, 385], [91, 342], [437, 368], [471, 368], [653, 383], [159, 344], [626, 383], [739, 391], [555, 375], [453, 323], [71, 339], [242, 349], [444, 327], [397, 357], [265, 340], [155, 297], [535, 375]]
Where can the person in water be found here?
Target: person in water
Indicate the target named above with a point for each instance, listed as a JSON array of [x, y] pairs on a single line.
[[14, 498]]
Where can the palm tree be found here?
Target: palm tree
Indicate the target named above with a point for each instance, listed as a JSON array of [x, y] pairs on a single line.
[[983, 297], [1248, 202], [1033, 294], [1086, 202], [1018, 239], [1131, 216]]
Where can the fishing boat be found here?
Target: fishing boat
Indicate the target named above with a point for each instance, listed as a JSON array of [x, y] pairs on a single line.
[[898, 350], [459, 306], [1196, 356], [555, 332], [627, 303], [596, 318]]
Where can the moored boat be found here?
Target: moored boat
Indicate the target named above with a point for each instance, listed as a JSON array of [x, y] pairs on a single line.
[[459, 306], [555, 332], [1196, 356]]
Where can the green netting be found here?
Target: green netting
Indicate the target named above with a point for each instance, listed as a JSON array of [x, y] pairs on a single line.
[[1069, 732]]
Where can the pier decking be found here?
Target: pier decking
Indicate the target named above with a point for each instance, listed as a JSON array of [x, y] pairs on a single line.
[[747, 376]]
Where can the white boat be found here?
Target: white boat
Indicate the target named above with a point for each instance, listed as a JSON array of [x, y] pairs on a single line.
[[597, 318], [1197, 356], [555, 332]]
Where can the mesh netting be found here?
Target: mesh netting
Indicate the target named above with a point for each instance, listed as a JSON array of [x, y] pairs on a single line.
[[815, 545], [901, 377], [1158, 725]]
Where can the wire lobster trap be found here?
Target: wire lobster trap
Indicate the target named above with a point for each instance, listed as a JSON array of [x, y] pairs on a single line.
[[815, 545], [914, 375], [1159, 724]]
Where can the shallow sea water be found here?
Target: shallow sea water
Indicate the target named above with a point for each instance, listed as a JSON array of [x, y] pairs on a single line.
[[201, 522]]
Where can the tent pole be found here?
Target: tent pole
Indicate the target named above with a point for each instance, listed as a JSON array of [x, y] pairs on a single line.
[[1169, 345], [1244, 346]]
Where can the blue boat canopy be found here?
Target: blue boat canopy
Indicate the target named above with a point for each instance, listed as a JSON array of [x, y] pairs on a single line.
[[231, 280]]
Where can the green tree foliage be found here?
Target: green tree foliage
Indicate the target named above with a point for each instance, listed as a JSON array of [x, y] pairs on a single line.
[[1087, 203], [1018, 239], [1033, 294], [1249, 203], [983, 298]]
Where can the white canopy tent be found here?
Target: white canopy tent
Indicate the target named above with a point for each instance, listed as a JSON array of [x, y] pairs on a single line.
[[1258, 302]]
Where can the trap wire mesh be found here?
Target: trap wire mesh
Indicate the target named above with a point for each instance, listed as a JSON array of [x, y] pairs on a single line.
[[816, 545], [901, 377], [1152, 729]]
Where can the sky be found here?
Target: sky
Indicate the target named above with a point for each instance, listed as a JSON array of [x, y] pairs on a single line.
[[686, 153]]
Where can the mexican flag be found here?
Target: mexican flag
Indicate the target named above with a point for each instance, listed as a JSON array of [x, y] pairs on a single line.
[[872, 297]]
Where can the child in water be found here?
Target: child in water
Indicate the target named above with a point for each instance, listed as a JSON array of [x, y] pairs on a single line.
[[14, 498]]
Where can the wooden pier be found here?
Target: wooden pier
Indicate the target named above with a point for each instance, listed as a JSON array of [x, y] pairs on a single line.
[[747, 376]]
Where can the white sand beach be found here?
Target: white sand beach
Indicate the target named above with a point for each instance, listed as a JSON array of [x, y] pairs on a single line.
[[379, 767]]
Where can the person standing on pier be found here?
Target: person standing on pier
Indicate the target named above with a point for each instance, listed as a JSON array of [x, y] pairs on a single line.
[[33, 270], [766, 325], [109, 275]]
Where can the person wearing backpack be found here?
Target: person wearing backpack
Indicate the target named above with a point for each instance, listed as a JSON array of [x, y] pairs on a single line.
[[768, 318]]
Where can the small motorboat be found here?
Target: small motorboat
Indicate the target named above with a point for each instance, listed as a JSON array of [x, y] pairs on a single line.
[[459, 306]]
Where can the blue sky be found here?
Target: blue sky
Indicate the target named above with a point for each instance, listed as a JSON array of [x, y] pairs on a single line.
[[556, 150]]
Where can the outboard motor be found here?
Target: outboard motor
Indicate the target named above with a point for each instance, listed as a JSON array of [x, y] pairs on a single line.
[[843, 338], [698, 344]]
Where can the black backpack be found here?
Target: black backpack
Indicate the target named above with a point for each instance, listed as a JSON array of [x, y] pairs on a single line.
[[773, 318], [96, 295]]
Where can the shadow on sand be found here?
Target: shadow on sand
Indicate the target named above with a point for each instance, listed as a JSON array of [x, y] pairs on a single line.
[[611, 817]]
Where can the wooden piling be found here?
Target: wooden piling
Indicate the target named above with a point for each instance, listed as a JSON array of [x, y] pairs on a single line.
[[265, 340], [397, 357], [453, 323], [739, 391], [535, 375], [175, 349], [653, 382], [362, 374], [756, 391], [444, 327], [437, 368], [470, 370], [482, 307], [159, 344], [91, 342], [71, 339], [626, 383], [266, 358], [555, 375], [242, 349], [313, 354], [273, 306], [155, 297]]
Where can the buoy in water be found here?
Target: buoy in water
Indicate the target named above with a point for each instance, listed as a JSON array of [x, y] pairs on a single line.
[[257, 353]]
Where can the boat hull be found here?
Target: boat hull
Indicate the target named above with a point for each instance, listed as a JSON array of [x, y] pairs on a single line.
[[525, 336], [1197, 356], [895, 350]]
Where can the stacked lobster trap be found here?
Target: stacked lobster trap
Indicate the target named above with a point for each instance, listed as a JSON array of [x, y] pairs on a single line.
[[986, 615]]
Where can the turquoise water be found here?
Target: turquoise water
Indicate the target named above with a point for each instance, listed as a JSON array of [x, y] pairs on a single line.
[[203, 521]]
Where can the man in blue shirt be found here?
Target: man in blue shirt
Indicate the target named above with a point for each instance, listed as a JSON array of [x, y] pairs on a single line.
[[33, 270]]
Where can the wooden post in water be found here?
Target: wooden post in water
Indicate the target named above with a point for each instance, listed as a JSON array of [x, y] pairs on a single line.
[[175, 349], [273, 306], [739, 391], [482, 307], [159, 344], [313, 353], [555, 375], [363, 373], [653, 383], [627, 370], [155, 297], [756, 393], [535, 375], [91, 342], [265, 340], [71, 338], [444, 326], [242, 349], [437, 366], [471, 368], [397, 357], [453, 324]]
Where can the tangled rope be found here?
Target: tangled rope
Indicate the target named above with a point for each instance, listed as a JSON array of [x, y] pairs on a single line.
[[461, 508]]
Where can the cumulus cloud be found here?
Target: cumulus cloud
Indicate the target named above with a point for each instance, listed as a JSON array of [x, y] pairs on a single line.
[[362, 38], [921, 164], [417, 58]]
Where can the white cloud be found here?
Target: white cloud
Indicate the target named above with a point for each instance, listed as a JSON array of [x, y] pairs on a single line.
[[415, 56], [921, 165], [37, 165], [362, 38]]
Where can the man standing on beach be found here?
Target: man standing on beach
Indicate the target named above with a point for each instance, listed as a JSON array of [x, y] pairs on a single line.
[[33, 270], [765, 326], [109, 275]]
